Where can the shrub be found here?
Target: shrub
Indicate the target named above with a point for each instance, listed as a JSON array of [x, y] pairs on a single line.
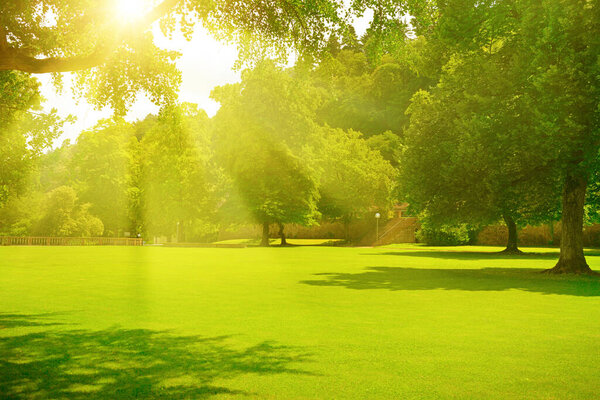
[[444, 235]]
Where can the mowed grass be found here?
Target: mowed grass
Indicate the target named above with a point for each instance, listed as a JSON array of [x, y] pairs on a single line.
[[275, 242], [395, 322]]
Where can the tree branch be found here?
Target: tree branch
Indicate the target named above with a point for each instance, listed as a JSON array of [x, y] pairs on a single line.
[[14, 59], [297, 16]]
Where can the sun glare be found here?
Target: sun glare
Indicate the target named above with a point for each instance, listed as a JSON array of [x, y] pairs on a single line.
[[130, 10]]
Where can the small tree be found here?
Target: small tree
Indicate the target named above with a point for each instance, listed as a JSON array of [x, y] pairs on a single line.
[[63, 215]]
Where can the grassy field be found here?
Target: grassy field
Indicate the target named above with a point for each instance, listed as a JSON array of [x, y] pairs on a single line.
[[276, 241], [395, 322]]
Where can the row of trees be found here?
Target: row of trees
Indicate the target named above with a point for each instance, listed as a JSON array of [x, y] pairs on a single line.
[[264, 158]]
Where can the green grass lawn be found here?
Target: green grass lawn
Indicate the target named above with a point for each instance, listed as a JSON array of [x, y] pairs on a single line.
[[395, 322], [276, 241]]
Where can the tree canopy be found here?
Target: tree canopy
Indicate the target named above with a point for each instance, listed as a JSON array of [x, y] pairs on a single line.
[[489, 110], [264, 133], [115, 59], [537, 61]]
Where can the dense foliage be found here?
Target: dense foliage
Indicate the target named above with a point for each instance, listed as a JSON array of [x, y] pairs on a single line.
[[473, 111], [265, 158]]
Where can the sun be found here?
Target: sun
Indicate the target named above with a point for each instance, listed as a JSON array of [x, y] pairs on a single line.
[[128, 11]]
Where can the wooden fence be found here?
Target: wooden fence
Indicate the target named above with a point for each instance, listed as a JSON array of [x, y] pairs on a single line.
[[68, 241]]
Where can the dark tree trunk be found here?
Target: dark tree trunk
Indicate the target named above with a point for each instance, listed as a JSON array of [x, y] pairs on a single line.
[[265, 235], [572, 260], [182, 232], [282, 235], [347, 229], [511, 244], [551, 227]]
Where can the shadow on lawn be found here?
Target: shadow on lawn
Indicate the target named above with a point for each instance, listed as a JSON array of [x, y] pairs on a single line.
[[128, 363], [469, 255], [22, 321], [486, 279], [477, 255]]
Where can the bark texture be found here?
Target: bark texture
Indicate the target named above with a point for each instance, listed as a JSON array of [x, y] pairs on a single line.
[[511, 244], [265, 235], [572, 260], [347, 229], [282, 235]]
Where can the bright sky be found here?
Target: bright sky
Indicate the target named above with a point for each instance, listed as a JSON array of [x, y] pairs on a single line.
[[205, 64]]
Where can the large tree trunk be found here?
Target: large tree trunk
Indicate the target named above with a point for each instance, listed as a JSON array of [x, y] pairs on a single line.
[[511, 244], [572, 260], [282, 234], [265, 234]]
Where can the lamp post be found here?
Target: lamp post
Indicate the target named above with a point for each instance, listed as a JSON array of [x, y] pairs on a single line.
[[177, 237], [377, 216]]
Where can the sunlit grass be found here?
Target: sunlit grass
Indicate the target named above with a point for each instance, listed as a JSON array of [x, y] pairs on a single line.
[[273, 241], [469, 249], [399, 321]]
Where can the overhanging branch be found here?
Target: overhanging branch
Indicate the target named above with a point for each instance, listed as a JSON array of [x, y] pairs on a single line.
[[11, 59], [14, 59]]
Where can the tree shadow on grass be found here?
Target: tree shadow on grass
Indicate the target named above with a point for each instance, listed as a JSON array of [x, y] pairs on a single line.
[[478, 255], [130, 363], [31, 320], [471, 255], [486, 279]]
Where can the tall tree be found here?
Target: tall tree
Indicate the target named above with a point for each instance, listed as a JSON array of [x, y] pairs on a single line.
[[565, 96], [551, 49], [178, 175], [482, 164], [265, 132], [25, 131], [116, 58], [354, 179], [101, 167]]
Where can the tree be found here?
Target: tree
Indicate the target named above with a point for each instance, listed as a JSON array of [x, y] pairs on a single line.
[[275, 187], [114, 60], [20, 213], [481, 173], [353, 177], [19, 93], [553, 49], [178, 177], [388, 145], [564, 94], [63, 215], [371, 94], [25, 132], [101, 166], [265, 134]]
